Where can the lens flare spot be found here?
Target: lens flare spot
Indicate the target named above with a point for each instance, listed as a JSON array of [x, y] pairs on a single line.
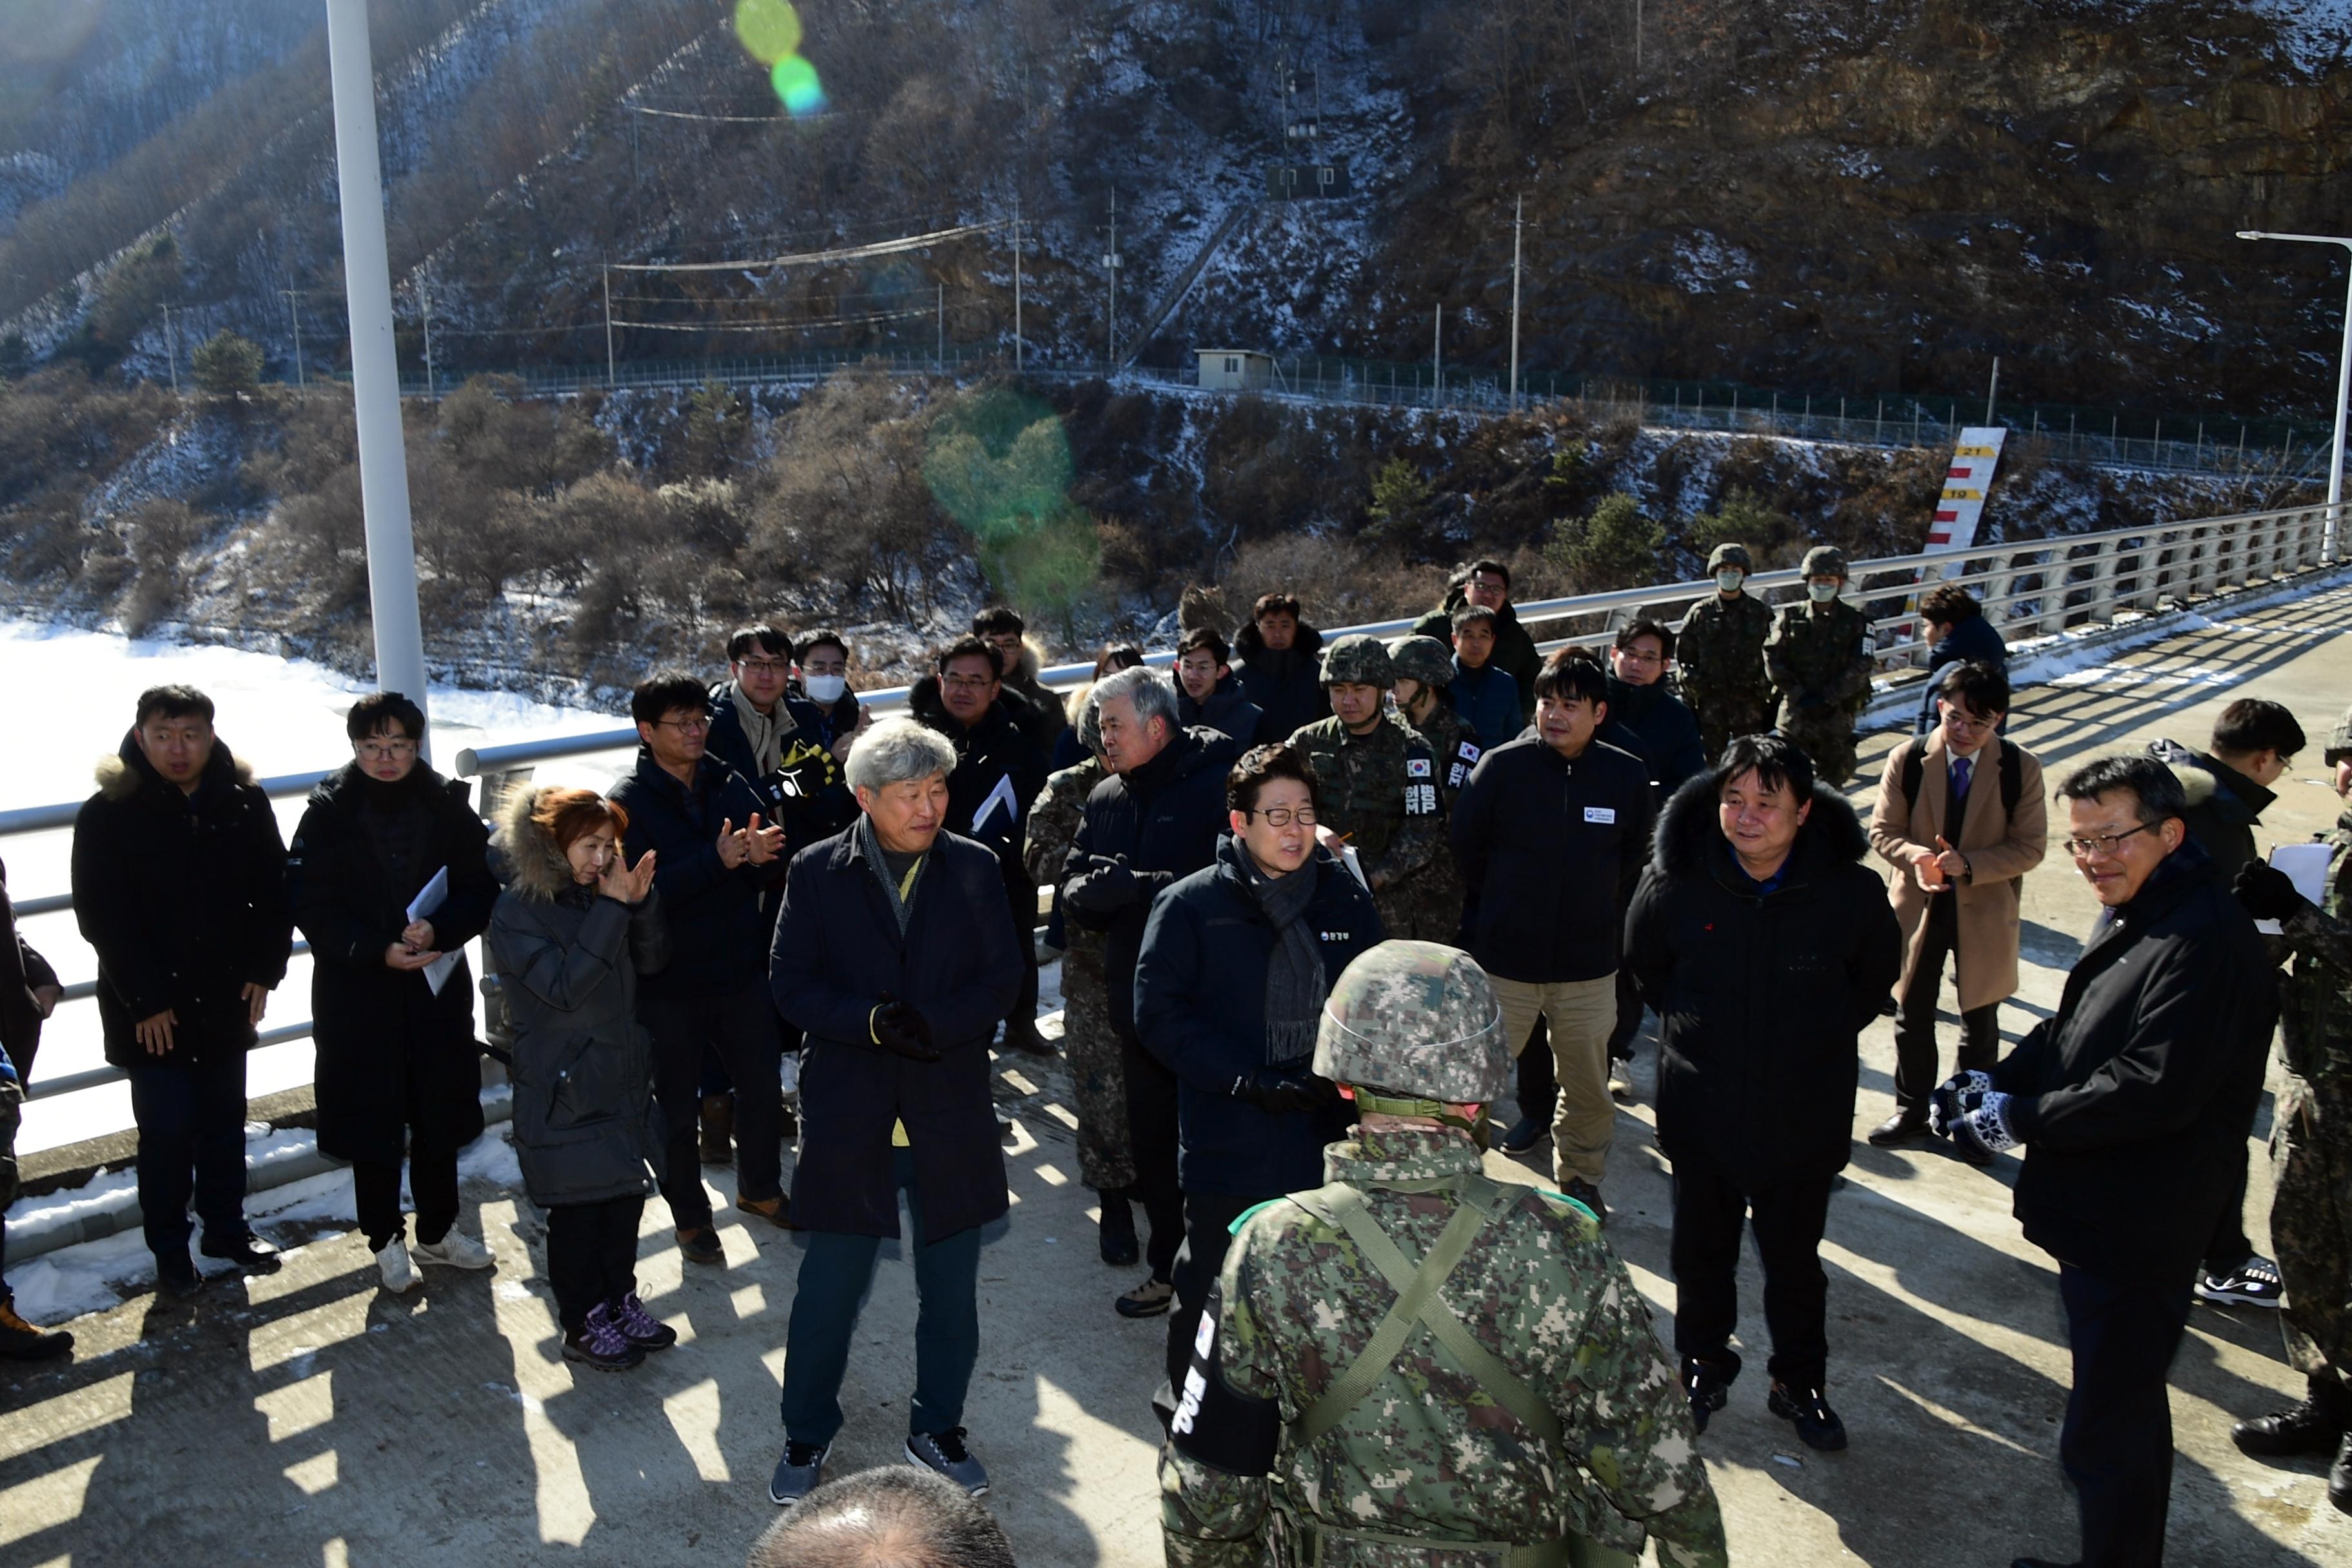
[[770, 29], [797, 85]]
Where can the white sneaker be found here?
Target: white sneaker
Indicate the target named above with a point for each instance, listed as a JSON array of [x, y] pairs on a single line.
[[457, 1249], [398, 1269]]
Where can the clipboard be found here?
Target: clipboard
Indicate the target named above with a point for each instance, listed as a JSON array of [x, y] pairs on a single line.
[[2305, 865]]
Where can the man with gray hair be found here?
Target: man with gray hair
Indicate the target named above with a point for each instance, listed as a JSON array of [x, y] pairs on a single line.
[[895, 952], [1157, 818], [888, 1517]]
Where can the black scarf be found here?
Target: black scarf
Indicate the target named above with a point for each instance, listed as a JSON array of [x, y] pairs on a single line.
[[1295, 985]]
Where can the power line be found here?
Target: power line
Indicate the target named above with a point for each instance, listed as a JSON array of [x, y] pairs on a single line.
[[866, 320], [816, 258]]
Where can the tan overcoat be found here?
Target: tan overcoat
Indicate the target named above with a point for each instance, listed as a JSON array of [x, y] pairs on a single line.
[[2000, 848]]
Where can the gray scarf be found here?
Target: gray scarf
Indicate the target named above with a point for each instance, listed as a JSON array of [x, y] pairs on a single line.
[[766, 732], [870, 844], [1295, 986]]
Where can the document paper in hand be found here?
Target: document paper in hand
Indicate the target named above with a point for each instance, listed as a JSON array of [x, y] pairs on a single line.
[[2305, 865], [429, 897]]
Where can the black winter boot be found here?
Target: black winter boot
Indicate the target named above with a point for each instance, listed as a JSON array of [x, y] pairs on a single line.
[[2315, 1426]]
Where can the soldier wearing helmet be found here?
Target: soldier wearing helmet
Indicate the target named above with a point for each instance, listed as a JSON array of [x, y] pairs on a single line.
[[1379, 780], [1719, 654], [1819, 659], [1423, 668], [1485, 1384]]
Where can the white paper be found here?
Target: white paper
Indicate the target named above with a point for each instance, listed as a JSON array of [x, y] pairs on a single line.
[[2305, 865], [429, 897], [1355, 864], [1000, 795]]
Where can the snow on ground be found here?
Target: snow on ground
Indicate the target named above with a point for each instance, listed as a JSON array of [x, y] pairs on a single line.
[[69, 694]]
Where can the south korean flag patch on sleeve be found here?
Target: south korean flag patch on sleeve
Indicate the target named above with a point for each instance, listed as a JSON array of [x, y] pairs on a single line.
[[1416, 767], [1457, 770]]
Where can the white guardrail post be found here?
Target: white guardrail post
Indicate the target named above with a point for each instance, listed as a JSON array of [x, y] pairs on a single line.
[[2121, 570]]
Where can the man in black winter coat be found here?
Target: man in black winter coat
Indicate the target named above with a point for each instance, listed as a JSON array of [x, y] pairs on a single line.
[[779, 743], [1765, 945], [1237, 960], [179, 883], [2132, 1103], [998, 773], [1208, 695], [713, 857], [1035, 707], [2227, 788], [895, 952], [29, 993], [1956, 632], [1281, 666], [1550, 834], [1157, 817]]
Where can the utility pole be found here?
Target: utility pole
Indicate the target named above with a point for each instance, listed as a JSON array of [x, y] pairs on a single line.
[[170, 351], [1992, 392], [1019, 360], [2332, 530], [1518, 211], [1437, 358], [611, 378], [1637, 35], [375, 372], [939, 353], [1111, 263], [424, 305], [294, 312]]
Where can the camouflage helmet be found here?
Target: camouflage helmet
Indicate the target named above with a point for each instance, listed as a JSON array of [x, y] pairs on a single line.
[[1359, 660], [1416, 1018], [1424, 659], [2339, 744], [1823, 560], [1722, 555]]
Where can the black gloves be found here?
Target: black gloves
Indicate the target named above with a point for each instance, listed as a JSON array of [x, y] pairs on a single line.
[[1108, 886], [898, 1028], [2267, 893], [1269, 1088]]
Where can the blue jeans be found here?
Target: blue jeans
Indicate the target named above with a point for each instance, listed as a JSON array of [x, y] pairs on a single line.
[[191, 1121], [834, 1274]]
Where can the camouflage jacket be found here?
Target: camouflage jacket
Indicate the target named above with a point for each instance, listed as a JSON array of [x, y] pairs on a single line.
[[1053, 820], [1451, 742], [1382, 790], [1428, 1454], [1719, 654], [1821, 651], [2316, 1003]]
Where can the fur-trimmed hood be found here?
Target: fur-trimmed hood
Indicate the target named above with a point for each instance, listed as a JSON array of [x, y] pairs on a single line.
[[125, 774], [1832, 832], [1249, 643], [532, 866], [2237, 798]]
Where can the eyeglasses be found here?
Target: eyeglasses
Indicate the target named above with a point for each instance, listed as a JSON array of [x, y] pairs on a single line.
[[1284, 815], [695, 726], [768, 665], [1637, 655], [969, 682], [384, 750], [2103, 846]]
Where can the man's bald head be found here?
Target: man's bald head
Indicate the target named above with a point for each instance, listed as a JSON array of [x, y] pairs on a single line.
[[891, 1517]]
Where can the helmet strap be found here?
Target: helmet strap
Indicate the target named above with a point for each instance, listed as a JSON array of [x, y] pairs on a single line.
[[1470, 1119]]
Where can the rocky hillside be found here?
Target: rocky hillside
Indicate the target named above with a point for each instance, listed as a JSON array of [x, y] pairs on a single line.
[[1843, 197]]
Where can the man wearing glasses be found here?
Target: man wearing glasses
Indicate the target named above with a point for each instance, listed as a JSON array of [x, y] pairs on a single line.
[[2132, 1103], [713, 854], [1960, 818]]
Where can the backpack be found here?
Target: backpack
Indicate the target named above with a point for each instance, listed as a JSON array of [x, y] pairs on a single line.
[[1915, 768]]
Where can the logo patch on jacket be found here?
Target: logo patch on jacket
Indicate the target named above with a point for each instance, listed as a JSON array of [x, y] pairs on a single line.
[[1416, 767]]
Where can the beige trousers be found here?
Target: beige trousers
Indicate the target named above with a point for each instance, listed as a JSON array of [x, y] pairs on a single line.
[[1580, 1014]]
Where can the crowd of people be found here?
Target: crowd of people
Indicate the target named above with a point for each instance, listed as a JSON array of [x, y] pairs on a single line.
[[1320, 905]]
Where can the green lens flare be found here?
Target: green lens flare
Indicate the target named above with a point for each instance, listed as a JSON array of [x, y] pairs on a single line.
[[796, 84], [770, 29]]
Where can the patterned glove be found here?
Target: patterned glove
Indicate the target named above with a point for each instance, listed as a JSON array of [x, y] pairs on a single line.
[[1943, 1105], [1983, 1123]]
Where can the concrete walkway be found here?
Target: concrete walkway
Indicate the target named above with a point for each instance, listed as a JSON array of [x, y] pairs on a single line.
[[308, 1419]]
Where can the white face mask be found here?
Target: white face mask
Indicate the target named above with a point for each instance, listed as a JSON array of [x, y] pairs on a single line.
[[1728, 581], [1820, 593], [826, 688]]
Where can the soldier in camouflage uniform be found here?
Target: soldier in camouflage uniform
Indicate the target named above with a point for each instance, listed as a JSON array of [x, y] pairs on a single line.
[[1377, 778], [2311, 1145], [1422, 669], [1819, 659], [1526, 1415], [1720, 655], [1105, 1160]]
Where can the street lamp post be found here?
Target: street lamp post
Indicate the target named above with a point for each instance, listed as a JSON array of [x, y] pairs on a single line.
[[2343, 390]]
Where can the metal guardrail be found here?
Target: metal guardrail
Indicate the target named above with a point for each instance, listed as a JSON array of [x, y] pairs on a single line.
[[2030, 588]]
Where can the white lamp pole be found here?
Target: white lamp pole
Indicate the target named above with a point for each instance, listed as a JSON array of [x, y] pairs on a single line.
[[375, 373], [2343, 390]]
